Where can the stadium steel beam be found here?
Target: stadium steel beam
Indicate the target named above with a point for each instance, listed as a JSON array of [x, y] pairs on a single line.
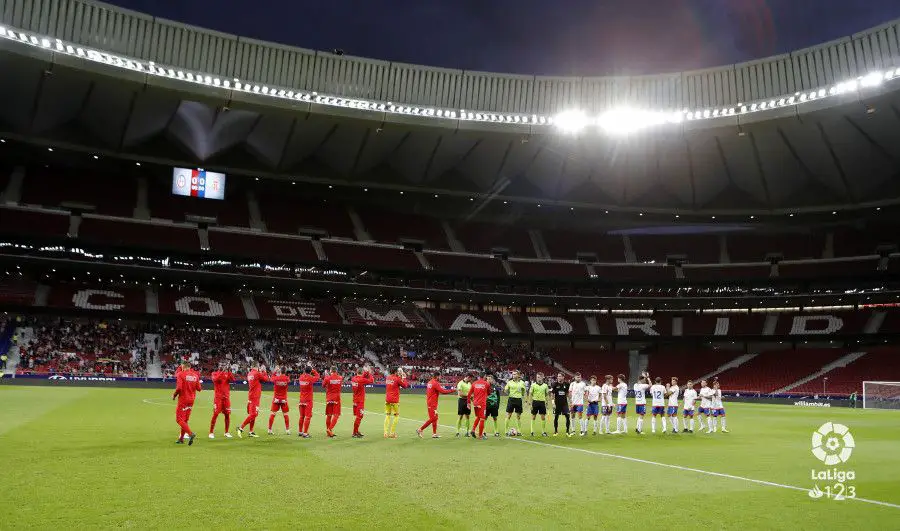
[[287, 142], [803, 166], [128, 117], [434, 150], [359, 151], [837, 161], [36, 102], [759, 166], [721, 153], [877, 145], [690, 158]]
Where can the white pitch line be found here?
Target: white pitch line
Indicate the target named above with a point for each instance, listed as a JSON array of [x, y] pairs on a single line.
[[638, 460]]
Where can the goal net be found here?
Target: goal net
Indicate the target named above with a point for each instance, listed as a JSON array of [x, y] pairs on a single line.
[[881, 395]]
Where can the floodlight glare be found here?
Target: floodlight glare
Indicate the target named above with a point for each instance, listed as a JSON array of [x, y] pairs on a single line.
[[573, 121]]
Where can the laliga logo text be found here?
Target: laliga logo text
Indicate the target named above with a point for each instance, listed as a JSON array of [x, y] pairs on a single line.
[[833, 444]]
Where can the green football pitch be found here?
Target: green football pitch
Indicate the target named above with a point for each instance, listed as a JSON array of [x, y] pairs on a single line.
[[99, 457]]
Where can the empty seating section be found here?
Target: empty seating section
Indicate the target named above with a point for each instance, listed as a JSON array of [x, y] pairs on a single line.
[[285, 212], [828, 269], [365, 257], [232, 211], [754, 246], [32, 223], [262, 246], [687, 364], [727, 324], [109, 194], [724, 273], [391, 227], [697, 248], [878, 364], [773, 370], [135, 234], [550, 323], [545, 270], [466, 265], [18, 293], [484, 237], [635, 273], [565, 245], [858, 242], [592, 361], [372, 314]]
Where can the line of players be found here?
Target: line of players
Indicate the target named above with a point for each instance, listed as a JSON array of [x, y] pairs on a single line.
[[578, 401]]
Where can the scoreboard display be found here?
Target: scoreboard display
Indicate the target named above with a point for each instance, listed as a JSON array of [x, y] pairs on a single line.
[[198, 183]]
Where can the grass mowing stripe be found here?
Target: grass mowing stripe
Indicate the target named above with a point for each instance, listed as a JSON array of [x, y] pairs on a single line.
[[625, 458]]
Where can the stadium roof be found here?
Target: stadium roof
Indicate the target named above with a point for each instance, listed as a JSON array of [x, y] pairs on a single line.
[[816, 129]]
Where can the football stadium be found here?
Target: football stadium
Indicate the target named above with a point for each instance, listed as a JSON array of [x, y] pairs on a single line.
[[237, 277]]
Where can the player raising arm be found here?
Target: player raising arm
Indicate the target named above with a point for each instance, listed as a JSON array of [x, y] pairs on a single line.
[[434, 390], [358, 383], [280, 383], [640, 401], [392, 386], [538, 394], [255, 379], [658, 395], [221, 379], [187, 383], [306, 382], [333, 384]]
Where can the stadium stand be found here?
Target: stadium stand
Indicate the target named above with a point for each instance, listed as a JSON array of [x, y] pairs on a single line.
[[566, 245], [588, 361], [755, 246], [695, 248], [143, 234], [548, 270], [57, 187], [263, 246], [772, 370], [466, 265], [878, 363], [231, 211], [288, 212], [31, 223], [480, 237], [392, 227], [364, 257]]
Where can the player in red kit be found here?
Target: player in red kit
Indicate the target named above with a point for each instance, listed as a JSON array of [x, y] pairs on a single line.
[[434, 389], [254, 381], [187, 383], [392, 385], [332, 384], [221, 379], [358, 383], [306, 381], [280, 383], [478, 397]]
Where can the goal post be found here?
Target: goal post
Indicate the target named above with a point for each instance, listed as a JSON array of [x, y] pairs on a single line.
[[881, 395]]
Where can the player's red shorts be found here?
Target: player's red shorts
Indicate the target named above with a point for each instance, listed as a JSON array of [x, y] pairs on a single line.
[[183, 412], [253, 407], [306, 409], [280, 405], [222, 404], [480, 411], [333, 408], [358, 410], [432, 413]]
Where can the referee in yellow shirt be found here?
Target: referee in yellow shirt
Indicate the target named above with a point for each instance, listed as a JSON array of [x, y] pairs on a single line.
[[515, 388]]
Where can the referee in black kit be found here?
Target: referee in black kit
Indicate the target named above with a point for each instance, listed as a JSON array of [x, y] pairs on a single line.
[[560, 390]]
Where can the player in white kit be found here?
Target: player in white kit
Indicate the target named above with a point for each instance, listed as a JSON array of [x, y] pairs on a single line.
[[606, 403], [640, 401], [705, 406], [690, 396], [576, 399], [658, 397], [718, 410], [621, 405], [593, 409], [672, 409]]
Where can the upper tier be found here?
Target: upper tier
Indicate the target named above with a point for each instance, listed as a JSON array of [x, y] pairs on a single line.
[[139, 36]]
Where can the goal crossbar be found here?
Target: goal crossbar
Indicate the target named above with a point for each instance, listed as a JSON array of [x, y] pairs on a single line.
[[880, 394]]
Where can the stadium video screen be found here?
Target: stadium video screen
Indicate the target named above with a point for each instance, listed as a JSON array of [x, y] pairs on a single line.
[[198, 183]]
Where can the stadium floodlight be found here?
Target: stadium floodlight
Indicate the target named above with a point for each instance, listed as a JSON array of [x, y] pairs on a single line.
[[872, 79], [571, 122], [627, 120]]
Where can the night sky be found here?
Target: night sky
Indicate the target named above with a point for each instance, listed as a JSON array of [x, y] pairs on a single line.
[[561, 37]]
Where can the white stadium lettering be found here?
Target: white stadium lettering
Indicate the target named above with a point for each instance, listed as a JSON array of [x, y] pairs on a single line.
[[624, 325], [467, 321], [97, 299], [722, 326], [816, 324], [557, 325], [296, 311], [210, 308], [392, 316]]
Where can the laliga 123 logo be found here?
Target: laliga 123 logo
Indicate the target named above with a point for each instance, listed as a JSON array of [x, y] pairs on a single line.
[[833, 444]]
